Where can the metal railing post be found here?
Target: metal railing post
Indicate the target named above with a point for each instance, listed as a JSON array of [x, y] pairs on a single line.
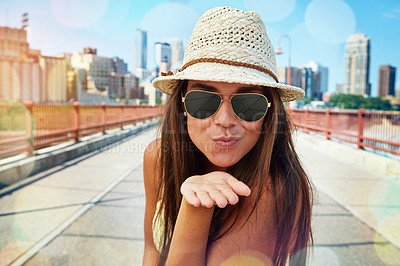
[[360, 115], [77, 120], [29, 127], [103, 117], [121, 117], [328, 124], [306, 122]]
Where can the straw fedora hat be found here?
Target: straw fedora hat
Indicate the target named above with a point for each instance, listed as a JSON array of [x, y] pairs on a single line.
[[229, 45]]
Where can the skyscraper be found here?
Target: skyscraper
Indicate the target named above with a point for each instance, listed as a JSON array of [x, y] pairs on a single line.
[[324, 73], [311, 78], [356, 68], [387, 77], [295, 75], [140, 49], [177, 54], [311, 83], [162, 56]]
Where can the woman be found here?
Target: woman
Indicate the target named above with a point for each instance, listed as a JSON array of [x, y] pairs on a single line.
[[224, 184]]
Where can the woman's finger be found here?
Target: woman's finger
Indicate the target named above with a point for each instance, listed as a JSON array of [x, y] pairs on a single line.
[[229, 194], [205, 199], [219, 198], [191, 198], [237, 186]]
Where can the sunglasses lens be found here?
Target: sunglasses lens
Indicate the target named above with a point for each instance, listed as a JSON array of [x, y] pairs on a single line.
[[249, 107], [201, 104]]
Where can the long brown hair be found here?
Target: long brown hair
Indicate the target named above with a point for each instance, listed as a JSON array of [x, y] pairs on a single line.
[[273, 156]]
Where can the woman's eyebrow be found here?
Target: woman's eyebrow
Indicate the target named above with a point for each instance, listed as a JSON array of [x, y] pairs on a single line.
[[204, 87], [250, 89]]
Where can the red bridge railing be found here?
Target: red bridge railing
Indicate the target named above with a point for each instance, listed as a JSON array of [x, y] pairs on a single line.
[[375, 130], [24, 128]]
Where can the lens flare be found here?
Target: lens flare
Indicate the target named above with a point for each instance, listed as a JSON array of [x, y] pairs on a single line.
[[271, 10], [389, 254], [78, 14], [324, 256], [330, 21]]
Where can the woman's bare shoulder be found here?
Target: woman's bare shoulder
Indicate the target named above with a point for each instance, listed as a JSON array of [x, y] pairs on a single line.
[[150, 163], [152, 149]]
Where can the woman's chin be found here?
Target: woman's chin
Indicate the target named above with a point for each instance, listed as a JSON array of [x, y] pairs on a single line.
[[220, 165]]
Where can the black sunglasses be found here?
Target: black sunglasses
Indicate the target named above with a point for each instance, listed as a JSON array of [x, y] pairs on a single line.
[[250, 107]]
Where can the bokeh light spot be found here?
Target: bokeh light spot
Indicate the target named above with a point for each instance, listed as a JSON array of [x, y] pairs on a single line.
[[330, 21], [389, 254], [169, 20], [271, 10], [78, 14], [12, 250], [384, 199], [324, 256]]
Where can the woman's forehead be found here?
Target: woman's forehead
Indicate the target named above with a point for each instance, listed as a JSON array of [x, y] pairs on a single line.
[[222, 87]]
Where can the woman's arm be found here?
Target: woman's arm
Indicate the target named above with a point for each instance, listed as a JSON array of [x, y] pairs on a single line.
[[150, 255], [189, 240], [200, 195]]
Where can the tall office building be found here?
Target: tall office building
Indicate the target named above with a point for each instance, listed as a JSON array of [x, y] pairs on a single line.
[[311, 83], [324, 74], [309, 78], [295, 75], [356, 69], [177, 54], [387, 77], [98, 70], [140, 49], [162, 56], [118, 65]]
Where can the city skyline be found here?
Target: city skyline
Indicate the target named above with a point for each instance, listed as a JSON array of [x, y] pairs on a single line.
[[317, 35]]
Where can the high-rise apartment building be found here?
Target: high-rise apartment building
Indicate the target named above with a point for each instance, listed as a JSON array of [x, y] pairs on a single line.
[[356, 69], [387, 77], [140, 49]]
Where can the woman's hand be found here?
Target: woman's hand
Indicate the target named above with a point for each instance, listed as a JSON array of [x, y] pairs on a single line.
[[215, 188]]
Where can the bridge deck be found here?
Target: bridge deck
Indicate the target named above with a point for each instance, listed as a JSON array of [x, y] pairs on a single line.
[[90, 211]]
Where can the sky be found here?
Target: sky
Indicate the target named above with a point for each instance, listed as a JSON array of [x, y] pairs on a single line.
[[317, 29]]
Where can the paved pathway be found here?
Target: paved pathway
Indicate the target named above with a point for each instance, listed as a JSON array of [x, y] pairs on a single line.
[[353, 204], [99, 201]]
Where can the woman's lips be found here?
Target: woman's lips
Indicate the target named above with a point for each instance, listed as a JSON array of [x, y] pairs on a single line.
[[226, 143]]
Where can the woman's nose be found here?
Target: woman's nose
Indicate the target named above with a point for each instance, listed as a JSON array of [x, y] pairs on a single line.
[[225, 115]]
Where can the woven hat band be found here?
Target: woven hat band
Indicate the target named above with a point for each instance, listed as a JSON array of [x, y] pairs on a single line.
[[229, 62]]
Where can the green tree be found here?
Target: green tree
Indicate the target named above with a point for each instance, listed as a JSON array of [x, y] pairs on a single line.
[[349, 101], [346, 101]]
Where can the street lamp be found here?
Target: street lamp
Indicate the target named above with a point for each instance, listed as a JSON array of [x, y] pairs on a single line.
[[279, 51]]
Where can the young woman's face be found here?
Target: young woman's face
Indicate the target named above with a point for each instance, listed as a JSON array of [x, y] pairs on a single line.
[[223, 138]]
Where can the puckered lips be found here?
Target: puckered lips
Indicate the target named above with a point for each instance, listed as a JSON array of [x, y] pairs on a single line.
[[226, 142]]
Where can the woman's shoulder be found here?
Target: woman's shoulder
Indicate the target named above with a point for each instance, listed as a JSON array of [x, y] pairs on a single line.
[[151, 153], [150, 162], [153, 148]]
